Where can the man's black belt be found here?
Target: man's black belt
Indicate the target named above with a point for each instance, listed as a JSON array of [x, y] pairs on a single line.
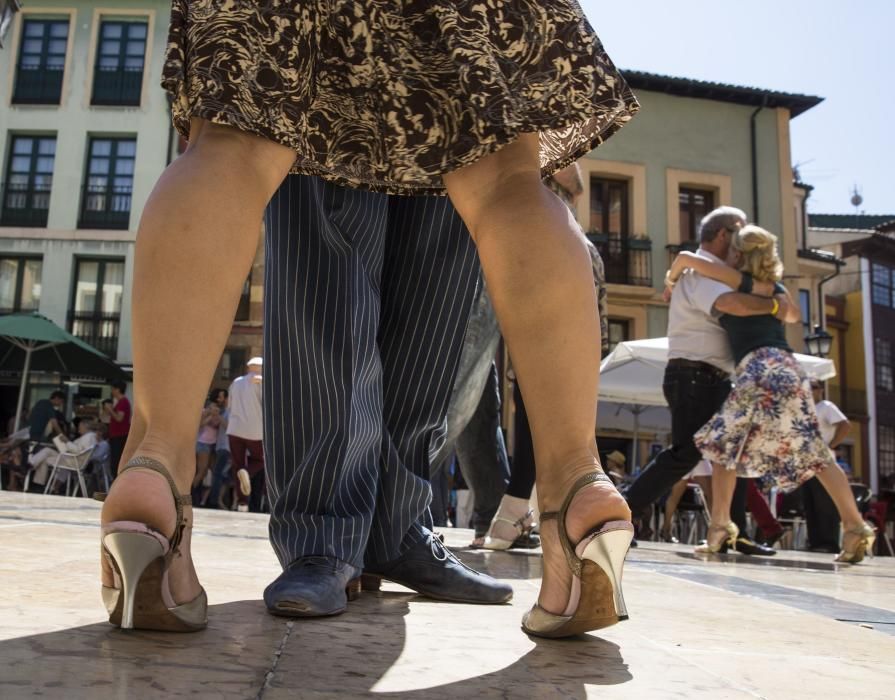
[[702, 366]]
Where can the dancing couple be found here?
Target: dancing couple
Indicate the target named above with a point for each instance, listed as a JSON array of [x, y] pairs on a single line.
[[353, 99], [767, 427]]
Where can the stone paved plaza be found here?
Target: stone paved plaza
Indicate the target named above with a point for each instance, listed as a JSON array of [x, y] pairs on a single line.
[[792, 626]]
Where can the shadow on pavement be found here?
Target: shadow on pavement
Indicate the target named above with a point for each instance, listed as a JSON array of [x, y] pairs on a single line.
[[246, 653]]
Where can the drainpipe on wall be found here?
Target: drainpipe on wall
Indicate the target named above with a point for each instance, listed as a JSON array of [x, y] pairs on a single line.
[[870, 374], [804, 215], [821, 307], [754, 145]]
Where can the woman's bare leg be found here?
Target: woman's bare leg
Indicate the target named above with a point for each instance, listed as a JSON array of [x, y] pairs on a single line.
[[195, 246], [834, 480], [539, 275], [202, 459], [677, 492], [724, 482]]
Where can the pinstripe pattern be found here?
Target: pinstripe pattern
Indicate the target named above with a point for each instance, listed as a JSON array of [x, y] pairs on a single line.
[[367, 299]]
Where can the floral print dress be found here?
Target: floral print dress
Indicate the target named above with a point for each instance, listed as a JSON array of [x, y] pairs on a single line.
[[768, 425], [389, 95]]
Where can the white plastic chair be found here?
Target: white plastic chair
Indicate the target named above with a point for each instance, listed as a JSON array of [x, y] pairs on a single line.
[[692, 515], [74, 462]]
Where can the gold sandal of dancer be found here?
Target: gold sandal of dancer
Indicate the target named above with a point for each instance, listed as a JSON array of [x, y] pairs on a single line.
[[866, 535], [729, 542], [596, 562], [140, 557]]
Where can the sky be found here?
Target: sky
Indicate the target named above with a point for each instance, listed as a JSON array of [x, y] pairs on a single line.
[[839, 50]]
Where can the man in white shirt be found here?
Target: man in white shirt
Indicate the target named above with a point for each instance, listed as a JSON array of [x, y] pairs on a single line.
[[245, 429], [44, 459], [821, 515], [697, 377]]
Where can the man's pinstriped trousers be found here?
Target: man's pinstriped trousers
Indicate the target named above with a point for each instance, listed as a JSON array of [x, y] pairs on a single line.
[[366, 302]]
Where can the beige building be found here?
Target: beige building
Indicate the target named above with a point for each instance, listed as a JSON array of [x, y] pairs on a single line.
[[694, 146], [85, 131], [858, 308]]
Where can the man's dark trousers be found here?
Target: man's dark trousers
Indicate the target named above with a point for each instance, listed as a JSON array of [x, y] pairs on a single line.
[[821, 516], [366, 302], [694, 395]]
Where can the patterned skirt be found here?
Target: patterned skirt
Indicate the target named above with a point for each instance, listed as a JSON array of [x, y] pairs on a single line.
[[389, 95], [768, 425]]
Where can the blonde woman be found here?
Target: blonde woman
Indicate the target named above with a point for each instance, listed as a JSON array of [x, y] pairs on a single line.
[[768, 426]]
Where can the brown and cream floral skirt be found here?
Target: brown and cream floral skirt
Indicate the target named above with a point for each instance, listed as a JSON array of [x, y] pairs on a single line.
[[389, 95]]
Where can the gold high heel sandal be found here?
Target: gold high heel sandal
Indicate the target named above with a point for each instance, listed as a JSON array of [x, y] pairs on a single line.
[[140, 556], [864, 544], [729, 542], [595, 600]]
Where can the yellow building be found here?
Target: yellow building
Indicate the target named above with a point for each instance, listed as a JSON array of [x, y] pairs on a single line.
[[859, 309]]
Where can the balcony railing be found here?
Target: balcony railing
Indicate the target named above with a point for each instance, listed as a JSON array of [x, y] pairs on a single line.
[[852, 401], [117, 87], [98, 330], [38, 87], [103, 206], [626, 258], [673, 250], [25, 205]]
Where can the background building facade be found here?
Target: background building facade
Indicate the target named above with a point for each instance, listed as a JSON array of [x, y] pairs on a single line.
[[693, 147], [86, 132]]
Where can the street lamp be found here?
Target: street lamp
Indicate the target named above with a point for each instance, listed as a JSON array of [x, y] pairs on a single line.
[[819, 342]]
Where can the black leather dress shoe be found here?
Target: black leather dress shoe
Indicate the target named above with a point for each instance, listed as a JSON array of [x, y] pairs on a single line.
[[747, 546], [431, 569], [770, 541], [313, 586]]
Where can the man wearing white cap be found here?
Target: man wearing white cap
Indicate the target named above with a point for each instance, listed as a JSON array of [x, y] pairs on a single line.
[[615, 466], [245, 430]]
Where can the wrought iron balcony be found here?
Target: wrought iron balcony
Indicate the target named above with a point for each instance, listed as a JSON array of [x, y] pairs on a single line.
[[117, 87], [851, 401], [627, 259], [25, 205], [42, 86], [105, 206], [674, 249], [98, 330]]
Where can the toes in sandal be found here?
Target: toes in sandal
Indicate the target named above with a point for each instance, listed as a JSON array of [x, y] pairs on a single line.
[[140, 556], [596, 562]]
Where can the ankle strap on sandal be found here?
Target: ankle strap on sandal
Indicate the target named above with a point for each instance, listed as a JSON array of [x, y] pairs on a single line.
[[560, 516], [180, 500]]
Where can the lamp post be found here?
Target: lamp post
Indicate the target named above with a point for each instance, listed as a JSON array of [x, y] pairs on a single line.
[[819, 342]]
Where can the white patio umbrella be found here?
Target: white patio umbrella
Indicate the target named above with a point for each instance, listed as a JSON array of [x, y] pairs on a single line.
[[632, 374]]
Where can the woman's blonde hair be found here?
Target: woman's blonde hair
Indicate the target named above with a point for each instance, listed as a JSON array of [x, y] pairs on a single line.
[[758, 249]]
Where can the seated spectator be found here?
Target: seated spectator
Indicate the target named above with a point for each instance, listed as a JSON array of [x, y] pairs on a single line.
[[614, 466], [46, 417], [100, 460], [12, 458], [45, 458]]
